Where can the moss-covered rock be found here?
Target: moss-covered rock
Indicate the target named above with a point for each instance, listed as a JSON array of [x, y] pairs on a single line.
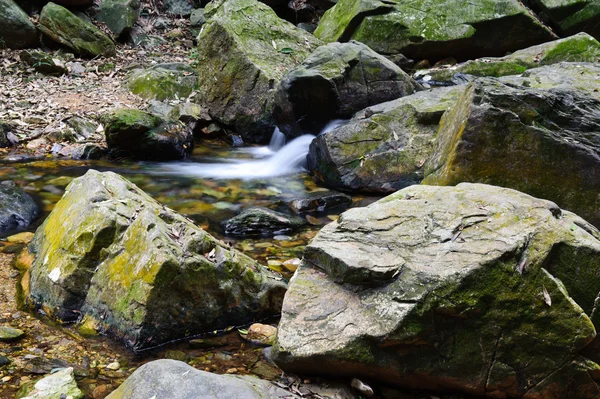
[[578, 48], [382, 148], [146, 274], [542, 142], [334, 82], [60, 384], [434, 29], [571, 16], [145, 136], [244, 51], [64, 27], [43, 62], [260, 221], [119, 15], [16, 30], [454, 289], [163, 82]]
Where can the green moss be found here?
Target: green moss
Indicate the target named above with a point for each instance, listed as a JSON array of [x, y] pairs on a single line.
[[161, 84]]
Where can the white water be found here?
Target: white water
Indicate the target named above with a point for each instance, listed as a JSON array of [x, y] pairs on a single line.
[[276, 159]]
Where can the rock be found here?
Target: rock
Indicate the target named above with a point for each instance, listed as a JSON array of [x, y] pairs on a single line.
[[363, 388], [521, 138], [43, 62], [434, 29], [571, 16], [237, 86], [43, 365], [119, 15], [176, 380], [4, 361], [17, 209], [163, 82], [190, 112], [62, 26], [334, 82], [4, 132], [475, 289], [113, 366], [8, 333], [384, 147], [16, 30], [84, 128], [579, 48], [320, 201], [145, 273], [88, 151], [182, 8], [197, 18], [145, 136], [58, 385], [262, 334], [75, 68], [259, 221]]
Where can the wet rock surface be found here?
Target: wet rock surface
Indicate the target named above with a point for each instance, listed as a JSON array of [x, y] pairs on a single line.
[[428, 288], [17, 209], [129, 266], [260, 221], [320, 201]]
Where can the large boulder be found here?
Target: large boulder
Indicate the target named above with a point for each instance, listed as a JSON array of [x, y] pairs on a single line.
[[161, 82], [138, 271], [571, 16], [434, 29], [542, 142], [578, 48], [146, 136], [17, 209], [474, 288], [16, 30], [577, 76], [382, 148], [64, 27], [334, 82], [244, 51], [119, 15], [176, 380]]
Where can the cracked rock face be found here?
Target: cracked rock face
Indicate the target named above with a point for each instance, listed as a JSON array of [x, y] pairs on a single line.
[[384, 147], [334, 82], [474, 288], [138, 271]]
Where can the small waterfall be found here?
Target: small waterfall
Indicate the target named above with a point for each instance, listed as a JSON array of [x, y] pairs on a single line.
[[276, 159]]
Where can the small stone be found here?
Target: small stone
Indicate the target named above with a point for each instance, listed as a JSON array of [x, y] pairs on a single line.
[[6, 379], [263, 334], [363, 388], [292, 264], [4, 361], [177, 355], [113, 366], [231, 371], [9, 333]]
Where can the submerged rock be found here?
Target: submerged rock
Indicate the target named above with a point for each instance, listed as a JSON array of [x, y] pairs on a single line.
[[244, 51], [334, 82], [64, 27], [61, 384], [16, 30], [579, 48], [147, 275], [383, 148], [176, 380], [259, 221], [17, 209], [146, 136], [474, 288], [320, 201], [434, 29], [543, 142], [119, 15], [163, 82]]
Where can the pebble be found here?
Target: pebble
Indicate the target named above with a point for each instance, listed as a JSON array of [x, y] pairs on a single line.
[[362, 387], [9, 333], [113, 366]]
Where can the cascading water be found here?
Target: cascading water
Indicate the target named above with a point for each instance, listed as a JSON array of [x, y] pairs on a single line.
[[276, 159]]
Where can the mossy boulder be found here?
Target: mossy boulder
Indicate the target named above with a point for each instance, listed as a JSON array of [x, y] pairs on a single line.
[[145, 136], [163, 82], [578, 76], [334, 82], [542, 142], [434, 29], [176, 380], [64, 27], [244, 51], [16, 30], [119, 15], [260, 221], [578, 48], [17, 209], [384, 147], [43, 62], [109, 252], [571, 16], [475, 289]]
